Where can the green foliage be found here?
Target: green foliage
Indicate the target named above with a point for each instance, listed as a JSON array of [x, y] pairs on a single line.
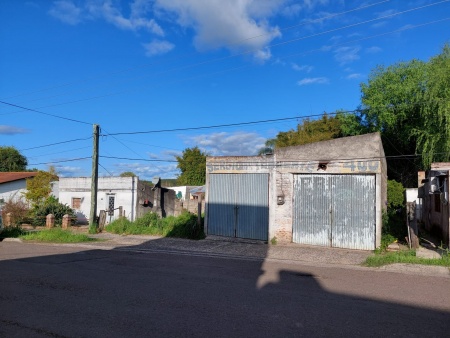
[[39, 187], [192, 164], [405, 257], [274, 240], [56, 235], [12, 232], [183, 226], [50, 205], [409, 103], [386, 239], [395, 215], [12, 160], [325, 128], [128, 174]]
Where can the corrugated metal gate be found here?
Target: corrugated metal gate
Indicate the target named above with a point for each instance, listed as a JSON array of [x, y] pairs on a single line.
[[334, 210], [238, 205]]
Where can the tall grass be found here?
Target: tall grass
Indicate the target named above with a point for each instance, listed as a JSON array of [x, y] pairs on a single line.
[[183, 226]]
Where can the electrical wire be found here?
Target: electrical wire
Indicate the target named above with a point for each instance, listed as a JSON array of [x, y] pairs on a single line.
[[57, 143], [239, 42]]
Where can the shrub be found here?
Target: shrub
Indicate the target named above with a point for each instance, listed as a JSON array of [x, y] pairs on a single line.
[[50, 205], [19, 211], [395, 215]]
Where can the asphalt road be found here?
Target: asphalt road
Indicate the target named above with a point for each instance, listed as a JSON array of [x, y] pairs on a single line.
[[60, 291]]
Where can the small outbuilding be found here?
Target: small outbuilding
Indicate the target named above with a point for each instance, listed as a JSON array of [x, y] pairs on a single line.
[[328, 193]]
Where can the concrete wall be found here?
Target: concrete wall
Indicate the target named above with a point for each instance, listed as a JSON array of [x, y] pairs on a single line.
[[351, 155]]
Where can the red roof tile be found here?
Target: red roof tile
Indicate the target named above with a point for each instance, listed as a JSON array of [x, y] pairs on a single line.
[[14, 176]]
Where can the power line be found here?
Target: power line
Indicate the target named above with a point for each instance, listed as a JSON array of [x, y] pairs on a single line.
[[239, 42], [272, 45], [61, 161], [138, 159], [54, 144], [37, 111]]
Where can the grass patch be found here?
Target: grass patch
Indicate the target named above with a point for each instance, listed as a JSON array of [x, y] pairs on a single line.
[[183, 226], [56, 235], [406, 257]]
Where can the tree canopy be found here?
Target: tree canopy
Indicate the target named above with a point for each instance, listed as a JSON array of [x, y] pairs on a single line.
[[39, 187], [128, 174], [12, 160], [192, 164]]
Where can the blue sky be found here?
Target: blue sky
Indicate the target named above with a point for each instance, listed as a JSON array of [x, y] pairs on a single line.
[[152, 65]]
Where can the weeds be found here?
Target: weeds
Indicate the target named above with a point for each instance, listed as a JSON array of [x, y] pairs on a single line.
[[56, 235], [406, 257], [183, 226], [12, 232]]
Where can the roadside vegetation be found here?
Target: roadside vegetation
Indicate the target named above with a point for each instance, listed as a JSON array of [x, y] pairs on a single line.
[[54, 235], [406, 257], [183, 226]]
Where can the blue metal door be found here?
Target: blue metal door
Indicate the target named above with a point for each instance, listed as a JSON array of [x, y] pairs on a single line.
[[238, 205]]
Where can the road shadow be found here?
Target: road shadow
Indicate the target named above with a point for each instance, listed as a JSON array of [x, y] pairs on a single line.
[[132, 291]]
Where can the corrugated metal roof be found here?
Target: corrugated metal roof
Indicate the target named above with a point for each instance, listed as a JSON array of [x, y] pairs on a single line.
[[14, 176]]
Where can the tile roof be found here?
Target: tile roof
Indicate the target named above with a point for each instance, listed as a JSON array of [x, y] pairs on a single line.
[[14, 176]]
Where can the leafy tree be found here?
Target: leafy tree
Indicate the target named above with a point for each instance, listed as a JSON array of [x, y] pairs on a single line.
[[39, 187], [409, 103], [128, 174], [12, 160], [192, 164]]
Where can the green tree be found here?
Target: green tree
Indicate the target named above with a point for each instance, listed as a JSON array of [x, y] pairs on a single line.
[[409, 103], [192, 164], [12, 160], [39, 187], [128, 174]]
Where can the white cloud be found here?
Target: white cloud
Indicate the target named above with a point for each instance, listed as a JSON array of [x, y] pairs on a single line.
[[66, 11], [137, 19], [373, 50], [302, 68], [157, 47], [229, 144], [345, 55], [11, 130], [313, 80], [146, 171], [238, 25], [354, 76], [67, 171]]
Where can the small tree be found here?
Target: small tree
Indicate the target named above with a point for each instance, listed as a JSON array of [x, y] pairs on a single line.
[[50, 205], [39, 187], [192, 164], [128, 174], [12, 160]]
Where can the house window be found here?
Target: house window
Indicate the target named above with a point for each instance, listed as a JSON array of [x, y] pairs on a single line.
[[437, 203], [76, 203]]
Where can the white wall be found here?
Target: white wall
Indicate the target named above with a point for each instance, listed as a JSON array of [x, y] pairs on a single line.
[[123, 189], [13, 190]]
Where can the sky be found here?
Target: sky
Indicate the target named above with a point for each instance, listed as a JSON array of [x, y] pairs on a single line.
[[160, 76]]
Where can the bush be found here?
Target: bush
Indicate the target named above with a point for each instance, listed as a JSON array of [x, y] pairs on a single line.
[[19, 211], [50, 205], [394, 217]]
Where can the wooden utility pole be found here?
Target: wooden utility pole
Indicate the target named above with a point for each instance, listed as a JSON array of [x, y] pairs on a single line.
[[94, 180]]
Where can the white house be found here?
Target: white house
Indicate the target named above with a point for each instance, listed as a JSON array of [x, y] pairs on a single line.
[[13, 185], [113, 192]]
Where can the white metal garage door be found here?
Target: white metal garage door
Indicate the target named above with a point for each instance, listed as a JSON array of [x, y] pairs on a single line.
[[334, 210]]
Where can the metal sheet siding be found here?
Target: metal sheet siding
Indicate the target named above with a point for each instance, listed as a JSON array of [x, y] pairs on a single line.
[[238, 205], [335, 210], [221, 203], [311, 214], [252, 201], [354, 212]]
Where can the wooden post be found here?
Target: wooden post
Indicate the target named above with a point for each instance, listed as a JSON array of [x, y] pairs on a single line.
[[121, 212], [94, 180]]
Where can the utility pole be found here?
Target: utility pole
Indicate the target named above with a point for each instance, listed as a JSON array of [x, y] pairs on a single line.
[[94, 180]]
